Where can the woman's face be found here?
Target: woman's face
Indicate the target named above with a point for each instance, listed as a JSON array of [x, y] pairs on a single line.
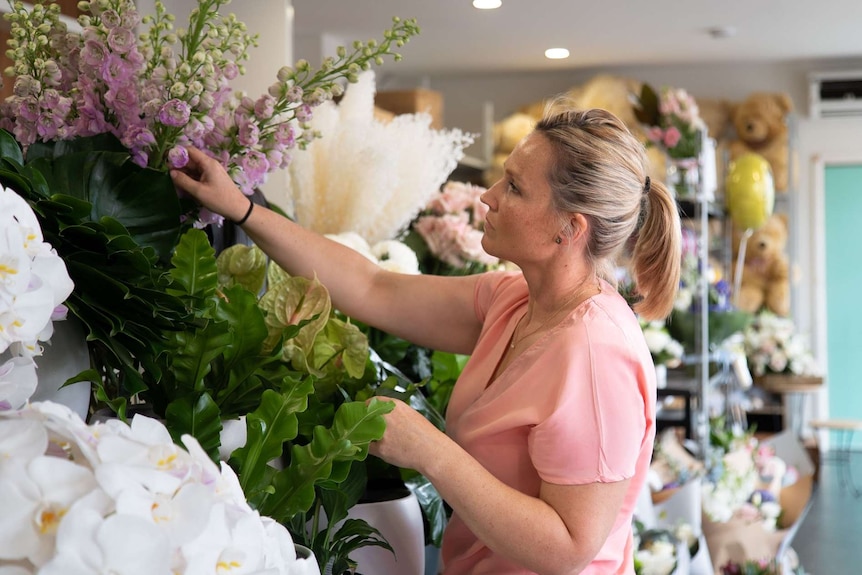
[[521, 224]]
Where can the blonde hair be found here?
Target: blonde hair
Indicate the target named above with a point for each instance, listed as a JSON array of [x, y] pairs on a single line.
[[599, 170]]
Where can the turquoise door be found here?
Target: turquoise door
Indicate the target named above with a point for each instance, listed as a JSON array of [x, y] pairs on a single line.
[[843, 199]]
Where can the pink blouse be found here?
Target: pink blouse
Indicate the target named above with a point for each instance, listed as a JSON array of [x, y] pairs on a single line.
[[577, 407]]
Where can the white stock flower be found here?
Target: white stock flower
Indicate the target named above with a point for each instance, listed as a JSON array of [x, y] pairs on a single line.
[[396, 256]]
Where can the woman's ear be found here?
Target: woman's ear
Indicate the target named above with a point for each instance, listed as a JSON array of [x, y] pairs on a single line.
[[579, 226]]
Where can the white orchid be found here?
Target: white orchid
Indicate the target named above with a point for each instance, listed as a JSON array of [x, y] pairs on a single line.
[[109, 497], [33, 285]]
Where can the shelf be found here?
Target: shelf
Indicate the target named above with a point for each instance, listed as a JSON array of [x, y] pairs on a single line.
[[688, 208]]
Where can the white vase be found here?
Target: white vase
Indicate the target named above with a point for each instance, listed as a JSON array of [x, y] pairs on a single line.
[[400, 522], [307, 564], [660, 376], [65, 355]]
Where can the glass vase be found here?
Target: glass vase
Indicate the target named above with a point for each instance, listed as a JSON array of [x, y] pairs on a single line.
[[682, 177]]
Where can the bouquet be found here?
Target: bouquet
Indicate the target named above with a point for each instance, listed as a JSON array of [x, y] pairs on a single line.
[[665, 349], [117, 498], [451, 226], [168, 88], [773, 345], [673, 121]]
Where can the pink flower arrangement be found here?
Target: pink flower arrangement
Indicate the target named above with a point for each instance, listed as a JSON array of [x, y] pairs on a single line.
[[451, 226], [673, 121], [168, 89]]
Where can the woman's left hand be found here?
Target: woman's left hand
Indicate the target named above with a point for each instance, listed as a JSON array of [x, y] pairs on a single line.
[[409, 438]]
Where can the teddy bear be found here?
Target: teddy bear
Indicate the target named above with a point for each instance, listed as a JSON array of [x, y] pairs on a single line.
[[765, 281], [761, 127]]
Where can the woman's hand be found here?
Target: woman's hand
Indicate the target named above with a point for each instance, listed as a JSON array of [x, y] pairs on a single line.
[[409, 438], [208, 182]]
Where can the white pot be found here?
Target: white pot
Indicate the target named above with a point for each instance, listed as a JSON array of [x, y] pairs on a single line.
[[65, 355], [400, 522], [308, 564]]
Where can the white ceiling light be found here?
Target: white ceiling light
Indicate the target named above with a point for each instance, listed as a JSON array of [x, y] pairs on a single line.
[[556, 53], [487, 4]]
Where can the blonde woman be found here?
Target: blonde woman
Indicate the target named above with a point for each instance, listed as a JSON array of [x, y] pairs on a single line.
[[550, 428]]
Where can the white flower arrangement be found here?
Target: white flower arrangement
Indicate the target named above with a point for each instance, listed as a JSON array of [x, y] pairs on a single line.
[[34, 284], [391, 255], [773, 345], [367, 176], [124, 499], [665, 349]]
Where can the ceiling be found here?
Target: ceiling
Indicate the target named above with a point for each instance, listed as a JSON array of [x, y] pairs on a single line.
[[456, 38]]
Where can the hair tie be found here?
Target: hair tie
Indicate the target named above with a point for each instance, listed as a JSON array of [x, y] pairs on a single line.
[[646, 185]]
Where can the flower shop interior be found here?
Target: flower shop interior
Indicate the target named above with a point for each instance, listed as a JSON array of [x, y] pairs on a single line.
[[751, 113]]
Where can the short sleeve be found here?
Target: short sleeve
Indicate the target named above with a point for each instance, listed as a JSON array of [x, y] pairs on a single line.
[[488, 289], [596, 428]]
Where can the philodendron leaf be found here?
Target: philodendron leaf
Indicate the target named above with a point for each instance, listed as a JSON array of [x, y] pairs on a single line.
[[355, 425], [242, 265], [194, 265], [267, 429], [200, 418], [291, 301], [10, 148], [238, 308], [193, 353]]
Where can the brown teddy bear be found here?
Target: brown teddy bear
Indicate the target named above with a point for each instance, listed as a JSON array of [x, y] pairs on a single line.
[[766, 272], [761, 127]]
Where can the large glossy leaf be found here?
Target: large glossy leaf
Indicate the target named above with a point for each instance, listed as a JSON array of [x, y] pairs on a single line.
[[268, 427], [194, 352], [194, 265], [239, 309], [117, 188], [9, 147], [355, 425], [198, 417]]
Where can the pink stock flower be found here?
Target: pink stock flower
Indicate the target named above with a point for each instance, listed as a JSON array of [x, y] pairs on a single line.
[[174, 113], [671, 137]]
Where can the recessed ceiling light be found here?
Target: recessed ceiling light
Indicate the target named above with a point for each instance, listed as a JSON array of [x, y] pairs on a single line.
[[719, 32], [556, 53], [487, 4]]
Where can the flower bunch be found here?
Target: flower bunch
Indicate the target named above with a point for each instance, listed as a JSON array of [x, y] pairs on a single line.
[[665, 350], [773, 345], [169, 88], [368, 176], [673, 120], [451, 226], [391, 255], [117, 498], [34, 284], [655, 551]]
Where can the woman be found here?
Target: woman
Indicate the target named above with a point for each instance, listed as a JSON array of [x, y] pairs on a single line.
[[550, 427]]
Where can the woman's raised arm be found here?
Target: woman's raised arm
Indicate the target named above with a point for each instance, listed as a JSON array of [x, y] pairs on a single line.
[[431, 311]]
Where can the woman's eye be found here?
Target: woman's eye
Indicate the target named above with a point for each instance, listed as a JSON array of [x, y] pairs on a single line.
[[512, 188]]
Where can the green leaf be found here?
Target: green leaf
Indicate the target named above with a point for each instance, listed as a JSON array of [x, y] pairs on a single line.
[[355, 425], [239, 309], [9, 147], [194, 352], [194, 265], [647, 111], [200, 418], [268, 427], [432, 506]]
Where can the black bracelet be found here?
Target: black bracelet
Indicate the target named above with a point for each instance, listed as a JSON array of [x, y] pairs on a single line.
[[247, 214]]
